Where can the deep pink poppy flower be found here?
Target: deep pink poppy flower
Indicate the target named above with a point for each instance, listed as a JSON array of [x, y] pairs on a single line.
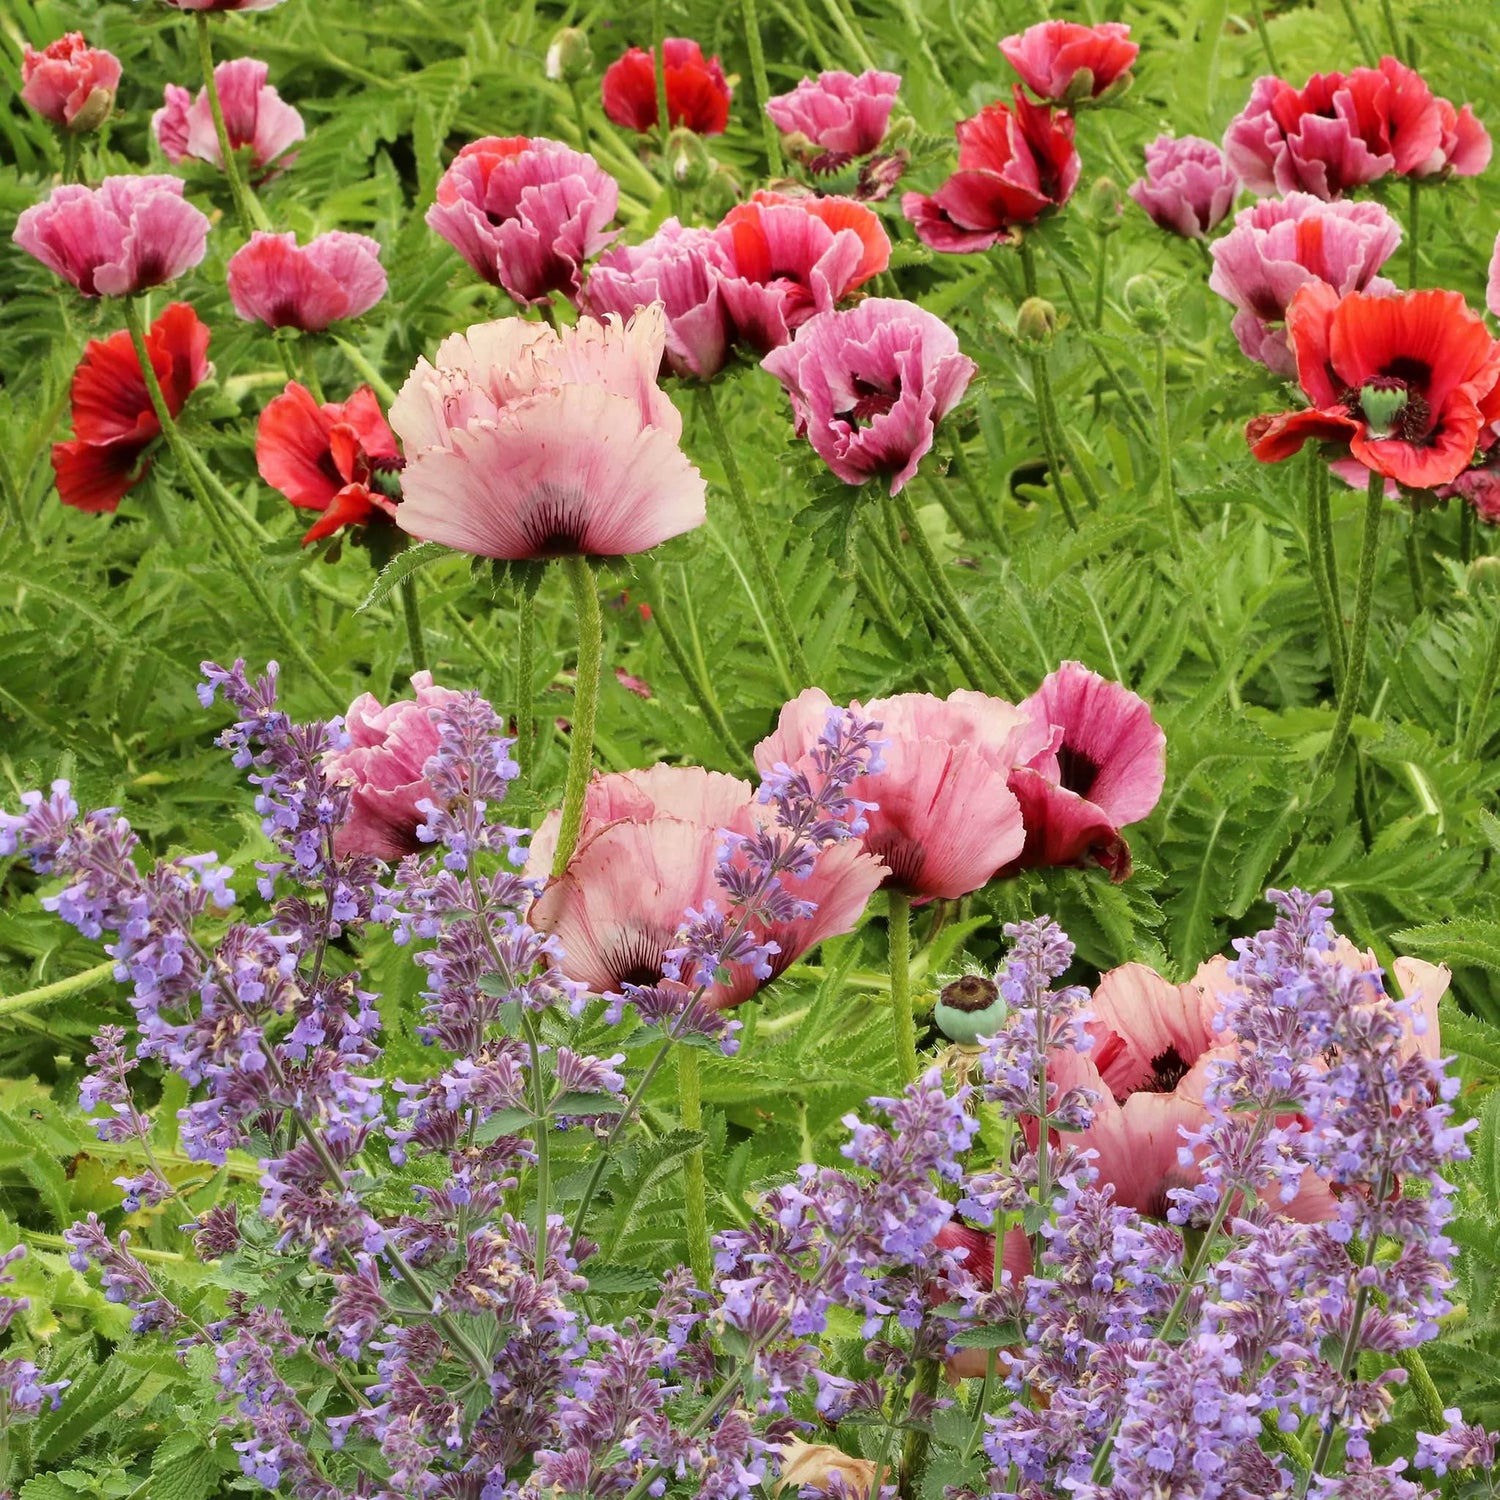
[[525, 443], [1188, 187], [870, 383], [647, 852], [525, 213], [1065, 63], [1280, 244], [946, 820], [680, 268], [843, 114], [1104, 767], [974, 1250], [273, 280], [255, 115], [1465, 149], [698, 93], [122, 237], [1014, 163], [70, 83], [388, 747]]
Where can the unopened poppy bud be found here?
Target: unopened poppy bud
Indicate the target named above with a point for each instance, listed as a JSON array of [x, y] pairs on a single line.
[[969, 1008], [1036, 322], [689, 158], [1484, 575], [1145, 303], [570, 57], [1104, 205]]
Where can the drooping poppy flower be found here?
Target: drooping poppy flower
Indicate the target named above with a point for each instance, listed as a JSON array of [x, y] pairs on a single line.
[[388, 747], [70, 83], [255, 115], [698, 93], [1014, 163], [787, 258], [525, 213], [1188, 187], [523, 442], [681, 269], [647, 852], [329, 458], [1102, 767], [1062, 62], [125, 236], [946, 820], [113, 419], [273, 280], [1405, 383], [869, 384], [1280, 244], [843, 115], [1465, 149]]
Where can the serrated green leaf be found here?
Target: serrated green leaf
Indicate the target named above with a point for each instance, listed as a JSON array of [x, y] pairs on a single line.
[[401, 567]]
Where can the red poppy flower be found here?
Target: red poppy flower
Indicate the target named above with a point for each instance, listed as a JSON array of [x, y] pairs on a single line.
[[1064, 63], [698, 94], [327, 457], [113, 420], [1404, 383]]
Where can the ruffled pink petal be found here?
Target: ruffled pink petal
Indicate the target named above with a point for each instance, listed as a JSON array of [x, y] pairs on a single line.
[[1146, 1028]]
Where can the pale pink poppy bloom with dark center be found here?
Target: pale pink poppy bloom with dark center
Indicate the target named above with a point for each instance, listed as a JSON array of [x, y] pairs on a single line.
[[275, 281], [70, 83], [255, 115], [843, 114]]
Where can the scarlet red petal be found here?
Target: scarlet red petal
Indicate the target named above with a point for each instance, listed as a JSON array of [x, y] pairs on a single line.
[[292, 449], [1276, 438], [97, 476], [354, 505]]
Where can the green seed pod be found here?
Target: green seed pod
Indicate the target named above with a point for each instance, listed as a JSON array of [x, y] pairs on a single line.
[[969, 1008]]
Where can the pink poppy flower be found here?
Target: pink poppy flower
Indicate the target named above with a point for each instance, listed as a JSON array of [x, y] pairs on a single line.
[[842, 114], [787, 258], [647, 852], [273, 280], [528, 443], [1188, 187], [70, 83], [120, 238], [681, 269], [946, 820], [388, 747], [1065, 63], [1103, 768], [1465, 149], [698, 93], [525, 213], [1280, 244], [974, 1250], [1015, 162], [255, 115], [870, 383]]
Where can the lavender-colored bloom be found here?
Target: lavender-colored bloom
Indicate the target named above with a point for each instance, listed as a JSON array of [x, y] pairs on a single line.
[[1188, 187], [23, 1392], [841, 114], [126, 1280], [1461, 1445]]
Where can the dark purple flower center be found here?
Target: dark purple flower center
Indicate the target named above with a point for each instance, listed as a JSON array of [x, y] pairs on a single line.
[[970, 993], [1167, 1071], [870, 401], [1077, 771]]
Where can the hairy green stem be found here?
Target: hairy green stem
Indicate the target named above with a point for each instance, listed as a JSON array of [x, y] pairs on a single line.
[[579, 118], [1413, 232], [585, 706], [694, 1184], [918, 1439], [70, 156], [412, 612], [1042, 386], [1164, 449], [526, 680], [1315, 521], [1366, 43], [1474, 731], [1414, 563], [903, 1022], [1258, 12], [659, 69], [59, 989], [251, 215], [1331, 560], [1390, 27], [753, 46], [362, 365]]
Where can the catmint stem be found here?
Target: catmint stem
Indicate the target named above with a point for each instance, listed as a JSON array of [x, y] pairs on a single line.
[[801, 675], [1413, 231], [59, 989], [412, 611], [903, 1023], [1164, 449], [585, 705], [1323, 567], [543, 1143], [914, 1450], [251, 215], [753, 46], [695, 1189], [182, 451], [1257, 11], [362, 365], [1474, 731]]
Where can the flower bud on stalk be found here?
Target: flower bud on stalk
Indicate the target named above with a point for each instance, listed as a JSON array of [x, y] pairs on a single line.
[[1036, 323], [569, 57], [1146, 304]]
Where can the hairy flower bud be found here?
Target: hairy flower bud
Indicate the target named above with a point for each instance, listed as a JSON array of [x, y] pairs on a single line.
[[1036, 322], [1146, 304], [569, 57], [1104, 205], [691, 162]]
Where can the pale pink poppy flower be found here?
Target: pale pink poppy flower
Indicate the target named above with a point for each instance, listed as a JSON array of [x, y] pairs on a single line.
[[1188, 187], [388, 747], [1063, 62], [647, 852], [255, 115], [1280, 244], [946, 820], [70, 83], [681, 268], [1104, 767], [870, 383], [525, 213], [522, 442], [844, 114], [273, 280], [120, 238]]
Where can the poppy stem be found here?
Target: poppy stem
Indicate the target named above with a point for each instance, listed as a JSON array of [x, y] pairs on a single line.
[[1366, 44], [1319, 549], [59, 989], [1414, 565], [903, 1021], [579, 118], [362, 366], [1465, 532], [411, 610], [251, 215], [585, 706], [310, 369], [526, 679], [695, 1189], [1164, 449], [1474, 735], [70, 156], [659, 73], [1413, 232], [1258, 12], [757, 52], [213, 507]]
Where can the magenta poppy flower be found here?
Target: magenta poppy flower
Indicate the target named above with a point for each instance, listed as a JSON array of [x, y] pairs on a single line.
[[255, 115], [945, 821], [273, 280], [1065, 63], [525, 213], [1280, 244], [70, 83], [869, 385], [527, 443], [681, 269], [382, 763], [1104, 768], [647, 852], [122, 237], [843, 114], [1188, 187], [1465, 148]]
